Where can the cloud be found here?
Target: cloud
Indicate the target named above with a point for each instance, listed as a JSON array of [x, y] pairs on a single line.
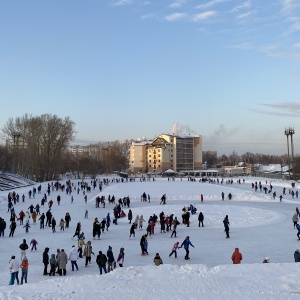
[[204, 16], [149, 17], [242, 46], [178, 3], [210, 4], [246, 4], [289, 5], [243, 17], [296, 45], [175, 17], [284, 109], [122, 2]]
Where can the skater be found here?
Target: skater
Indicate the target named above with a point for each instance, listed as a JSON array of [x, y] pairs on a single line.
[[14, 270], [142, 243], [132, 230], [24, 268], [186, 243], [46, 260], [62, 260], [174, 249], [67, 219], [101, 262], [33, 243], [23, 248], [27, 226], [298, 233], [52, 265], [73, 257], [236, 256], [86, 214], [110, 259], [163, 199], [121, 257], [157, 260], [62, 224], [130, 216], [53, 224], [201, 219], [175, 223], [42, 221], [295, 219], [141, 220], [87, 252], [77, 230], [12, 227], [226, 226], [297, 255]]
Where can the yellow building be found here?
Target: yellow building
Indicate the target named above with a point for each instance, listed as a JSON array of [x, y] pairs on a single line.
[[167, 151]]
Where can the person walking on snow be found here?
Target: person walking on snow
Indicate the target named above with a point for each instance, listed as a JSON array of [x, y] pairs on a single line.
[[236, 256], [186, 243]]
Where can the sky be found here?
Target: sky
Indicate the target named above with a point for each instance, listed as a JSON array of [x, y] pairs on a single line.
[[260, 227], [225, 69]]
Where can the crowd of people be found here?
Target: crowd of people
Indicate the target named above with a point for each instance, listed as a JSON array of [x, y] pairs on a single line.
[[56, 263]]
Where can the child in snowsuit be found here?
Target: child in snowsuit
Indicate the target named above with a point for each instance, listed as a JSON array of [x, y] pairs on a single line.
[[33, 243], [52, 265], [174, 249]]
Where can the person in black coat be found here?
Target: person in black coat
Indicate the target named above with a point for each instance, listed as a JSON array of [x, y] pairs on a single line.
[[110, 259], [46, 260], [226, 226], [77, 230], [297, 255], [201, 219]]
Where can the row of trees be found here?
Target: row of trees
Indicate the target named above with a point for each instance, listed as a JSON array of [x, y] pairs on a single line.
[[38, 148]]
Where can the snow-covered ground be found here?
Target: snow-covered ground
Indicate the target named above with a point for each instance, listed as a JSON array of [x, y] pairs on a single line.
[[259, 226]]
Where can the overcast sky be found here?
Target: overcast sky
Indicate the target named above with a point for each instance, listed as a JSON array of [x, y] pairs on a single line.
[[122, 69]]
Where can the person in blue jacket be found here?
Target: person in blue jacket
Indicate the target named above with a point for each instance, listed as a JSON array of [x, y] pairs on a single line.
[[298, 233], [186, 243]]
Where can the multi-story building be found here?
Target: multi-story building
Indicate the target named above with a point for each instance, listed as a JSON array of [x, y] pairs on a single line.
[[138, 156], [167, 151]]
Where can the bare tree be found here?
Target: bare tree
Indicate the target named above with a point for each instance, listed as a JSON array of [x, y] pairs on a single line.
[[39, 143]]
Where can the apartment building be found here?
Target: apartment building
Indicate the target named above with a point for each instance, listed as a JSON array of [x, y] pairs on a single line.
[[167, 151]]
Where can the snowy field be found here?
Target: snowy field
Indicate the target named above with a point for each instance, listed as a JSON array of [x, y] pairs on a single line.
[[259, 226]]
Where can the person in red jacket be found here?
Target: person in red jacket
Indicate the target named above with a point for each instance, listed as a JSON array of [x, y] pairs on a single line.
[[236, 256]]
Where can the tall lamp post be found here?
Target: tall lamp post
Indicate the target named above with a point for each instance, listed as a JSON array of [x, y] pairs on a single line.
[[289, 132]]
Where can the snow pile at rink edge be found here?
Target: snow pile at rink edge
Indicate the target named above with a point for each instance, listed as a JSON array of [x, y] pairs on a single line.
[[248, 281]]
